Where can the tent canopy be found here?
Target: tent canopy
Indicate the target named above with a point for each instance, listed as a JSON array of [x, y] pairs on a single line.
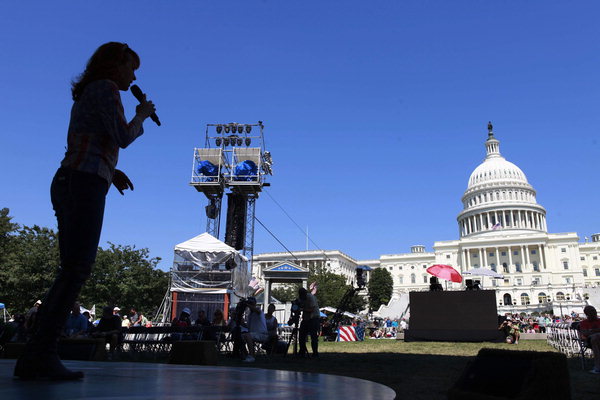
[[333, 310], [205, 249]]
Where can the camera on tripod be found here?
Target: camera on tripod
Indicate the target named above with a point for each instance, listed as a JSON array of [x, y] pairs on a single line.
[[296, 310]]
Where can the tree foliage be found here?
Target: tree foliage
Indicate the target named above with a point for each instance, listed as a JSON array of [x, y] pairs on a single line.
[[332, 288], [381, 286], [29, 259], [285, 293]]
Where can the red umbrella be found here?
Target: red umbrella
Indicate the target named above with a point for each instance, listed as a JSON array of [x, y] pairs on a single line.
[[445, 272]]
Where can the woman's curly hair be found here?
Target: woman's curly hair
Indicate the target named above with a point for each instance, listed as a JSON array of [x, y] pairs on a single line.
[[103, 65]]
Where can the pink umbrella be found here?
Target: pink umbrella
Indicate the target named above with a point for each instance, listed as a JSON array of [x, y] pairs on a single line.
[[445, 272]]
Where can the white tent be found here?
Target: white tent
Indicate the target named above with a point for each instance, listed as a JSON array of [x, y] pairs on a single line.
[[204, 263], [206, 274], [205, 250]]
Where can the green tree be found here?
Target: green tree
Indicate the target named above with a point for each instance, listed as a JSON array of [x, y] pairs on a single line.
[[332, 288], [127, 277], [381, 286], [28, 268], [29, 260], [285, 293]]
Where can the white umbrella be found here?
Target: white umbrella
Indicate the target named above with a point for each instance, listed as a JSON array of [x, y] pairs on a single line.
[[483, 272]]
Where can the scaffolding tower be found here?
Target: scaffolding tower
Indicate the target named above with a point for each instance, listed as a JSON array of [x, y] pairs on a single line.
[[234, 163]]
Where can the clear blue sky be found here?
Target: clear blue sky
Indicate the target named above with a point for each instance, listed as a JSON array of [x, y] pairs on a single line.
[[375, 112]]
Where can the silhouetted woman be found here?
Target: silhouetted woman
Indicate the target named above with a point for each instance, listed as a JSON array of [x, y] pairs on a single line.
[[97, 130]]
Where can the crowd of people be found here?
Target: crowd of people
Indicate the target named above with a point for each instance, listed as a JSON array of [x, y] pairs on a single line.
[[79, 324], [387, 328]]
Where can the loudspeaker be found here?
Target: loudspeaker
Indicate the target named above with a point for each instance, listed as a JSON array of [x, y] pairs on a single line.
[[507, 374], [235, 228]]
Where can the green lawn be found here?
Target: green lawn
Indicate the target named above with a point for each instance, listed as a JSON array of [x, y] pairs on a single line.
[[415, 370]]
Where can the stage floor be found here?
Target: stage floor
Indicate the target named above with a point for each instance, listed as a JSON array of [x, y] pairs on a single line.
[[120, 380]]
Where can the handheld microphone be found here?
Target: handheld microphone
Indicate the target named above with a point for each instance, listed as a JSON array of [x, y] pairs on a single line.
[[139, 95]]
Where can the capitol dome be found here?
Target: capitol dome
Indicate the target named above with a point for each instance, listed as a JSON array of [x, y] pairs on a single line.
[[499, 197], [496, 169]]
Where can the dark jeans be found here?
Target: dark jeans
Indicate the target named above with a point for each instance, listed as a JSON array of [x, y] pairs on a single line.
[[309, 327], [78, 200]]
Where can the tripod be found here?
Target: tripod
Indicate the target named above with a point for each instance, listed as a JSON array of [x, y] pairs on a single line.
[[339, 312], [294, 337]]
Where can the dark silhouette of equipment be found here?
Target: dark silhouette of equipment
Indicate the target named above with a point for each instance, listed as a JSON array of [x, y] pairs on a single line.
[[294, 321], [434, 284], [472, 285], [507, 374], [360, 277], [235, 230], [345, 302]]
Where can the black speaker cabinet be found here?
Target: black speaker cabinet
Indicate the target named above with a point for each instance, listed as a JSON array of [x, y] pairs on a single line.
[[456, 316], [505, 374]]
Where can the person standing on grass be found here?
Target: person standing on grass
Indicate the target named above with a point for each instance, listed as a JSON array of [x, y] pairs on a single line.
[[97, 130]]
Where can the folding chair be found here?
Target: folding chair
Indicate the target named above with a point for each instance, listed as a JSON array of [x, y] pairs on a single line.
[[584, 346]]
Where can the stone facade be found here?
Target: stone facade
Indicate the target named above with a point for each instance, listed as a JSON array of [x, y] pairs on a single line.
[[501, 228]]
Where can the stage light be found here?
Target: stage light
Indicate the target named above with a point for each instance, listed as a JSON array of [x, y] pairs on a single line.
[[360, 278], [248, 128], [233, 127], [240, 128], [248, 141], [226, 141], [227, 128], [219, 128], [239, 141], [218, 142]]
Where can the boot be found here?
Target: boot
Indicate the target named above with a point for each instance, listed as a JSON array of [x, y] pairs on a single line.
[[46, 366], [40, 358]]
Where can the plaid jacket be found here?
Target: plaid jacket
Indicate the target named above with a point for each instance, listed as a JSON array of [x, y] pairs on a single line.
[[98, 129]]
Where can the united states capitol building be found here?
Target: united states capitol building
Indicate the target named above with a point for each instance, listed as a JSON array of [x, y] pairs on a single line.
[[502, 228]]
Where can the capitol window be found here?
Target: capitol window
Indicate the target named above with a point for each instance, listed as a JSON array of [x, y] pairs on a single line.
[[585, 272], [503, 253], [533, 252], [595, 257], [536, 267], [563, 250], [491, 254], [542, 298], [413, 278], [597, 270], [518, 267], [516, 253], [565, 264], [560, 296]]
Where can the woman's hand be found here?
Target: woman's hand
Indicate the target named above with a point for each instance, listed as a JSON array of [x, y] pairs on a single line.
[[145, 109], [121, 181]]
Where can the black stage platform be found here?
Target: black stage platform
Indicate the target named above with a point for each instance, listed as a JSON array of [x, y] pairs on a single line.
[[120, 380]]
